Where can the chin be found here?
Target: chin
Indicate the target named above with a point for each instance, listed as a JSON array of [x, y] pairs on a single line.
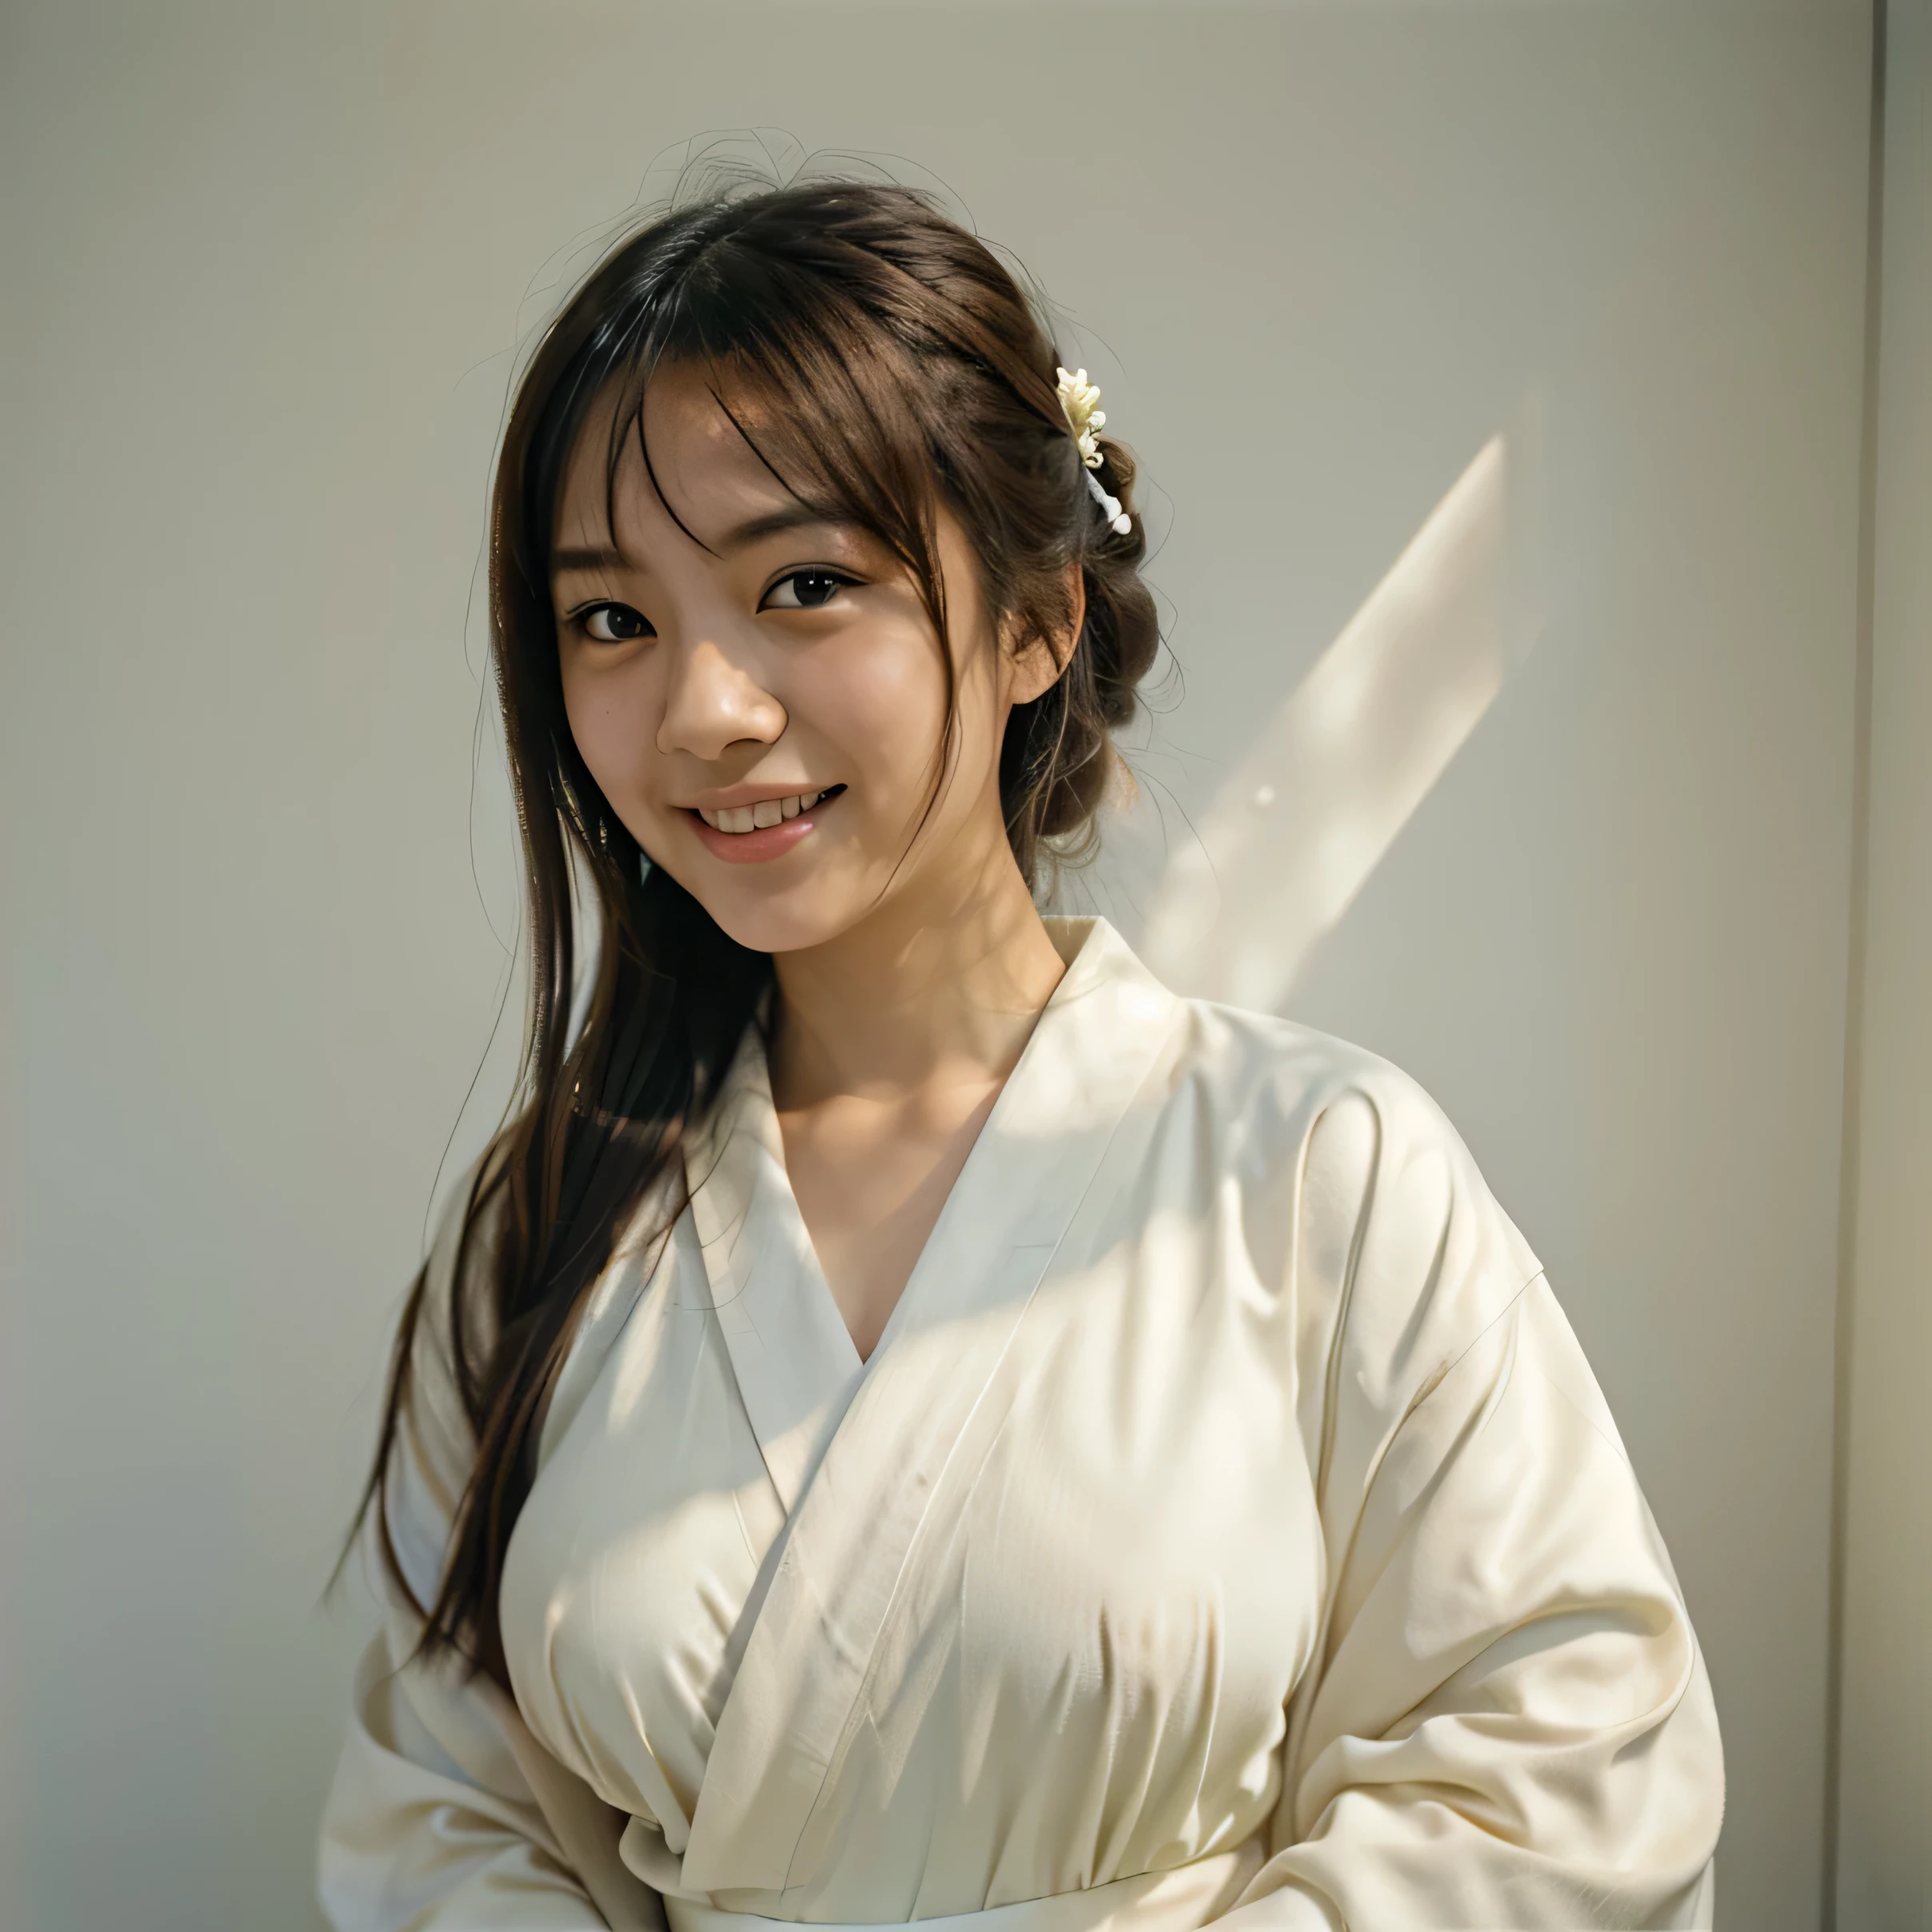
[[792, 921]]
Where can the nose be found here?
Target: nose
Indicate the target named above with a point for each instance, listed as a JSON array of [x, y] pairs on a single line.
[[714, 703]]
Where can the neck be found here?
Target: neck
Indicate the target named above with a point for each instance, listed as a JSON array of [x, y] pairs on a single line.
[[940, 985]]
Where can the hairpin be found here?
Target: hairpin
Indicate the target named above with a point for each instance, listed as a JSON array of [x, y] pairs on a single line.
[[1080, 403]]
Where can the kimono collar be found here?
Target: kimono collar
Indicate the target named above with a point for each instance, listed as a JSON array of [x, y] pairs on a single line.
[[796, 1366], [1060, 1085], [856, 1452]]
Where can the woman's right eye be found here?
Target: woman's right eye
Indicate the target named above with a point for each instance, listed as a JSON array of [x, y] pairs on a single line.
[[614, 623]]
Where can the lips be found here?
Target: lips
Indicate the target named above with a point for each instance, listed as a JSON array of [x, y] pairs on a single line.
[[764, 813], [771, 826]]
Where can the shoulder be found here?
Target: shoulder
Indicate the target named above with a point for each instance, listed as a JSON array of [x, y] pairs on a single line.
[[1346, 1158], [1286, 1085], [1278, 1110]]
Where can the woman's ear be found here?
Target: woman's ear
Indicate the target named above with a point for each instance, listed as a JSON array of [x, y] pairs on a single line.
[[1037, 654]]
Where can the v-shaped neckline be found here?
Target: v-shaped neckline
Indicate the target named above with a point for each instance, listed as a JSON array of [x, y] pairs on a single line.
[[819, 1282], [856, 1451], [749, 1104], [789, 1348]]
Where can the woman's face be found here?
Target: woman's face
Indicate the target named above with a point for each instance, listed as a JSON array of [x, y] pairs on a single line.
[[760, 694]]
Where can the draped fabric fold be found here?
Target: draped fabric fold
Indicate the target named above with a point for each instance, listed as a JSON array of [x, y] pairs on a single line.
[[1226, 1527]]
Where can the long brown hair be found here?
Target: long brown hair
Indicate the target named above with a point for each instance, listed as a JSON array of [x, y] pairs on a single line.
[[892, 364]]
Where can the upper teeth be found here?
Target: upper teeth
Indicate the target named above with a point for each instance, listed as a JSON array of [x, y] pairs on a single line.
[[767, 811]]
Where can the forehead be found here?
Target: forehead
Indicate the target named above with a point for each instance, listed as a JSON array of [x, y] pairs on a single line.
[[699, 464]]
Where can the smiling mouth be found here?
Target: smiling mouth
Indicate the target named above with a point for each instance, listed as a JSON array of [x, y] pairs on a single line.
[[766, 812]]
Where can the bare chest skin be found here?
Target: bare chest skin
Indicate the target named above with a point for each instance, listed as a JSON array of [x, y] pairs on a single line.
[[870, 1175]]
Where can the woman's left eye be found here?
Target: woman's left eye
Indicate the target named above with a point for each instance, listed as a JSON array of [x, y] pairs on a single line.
[[804, 590]]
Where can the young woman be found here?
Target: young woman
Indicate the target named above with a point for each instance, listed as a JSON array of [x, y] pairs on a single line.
[[911, 1419]]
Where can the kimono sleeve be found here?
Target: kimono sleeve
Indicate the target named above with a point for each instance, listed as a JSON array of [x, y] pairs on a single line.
[[1507, 1723], [433, 1820]]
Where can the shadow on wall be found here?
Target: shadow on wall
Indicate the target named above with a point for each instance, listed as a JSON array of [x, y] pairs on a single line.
[[1293, 835]]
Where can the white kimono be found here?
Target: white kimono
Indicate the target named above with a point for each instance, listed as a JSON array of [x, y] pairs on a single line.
[[1227, 1526]]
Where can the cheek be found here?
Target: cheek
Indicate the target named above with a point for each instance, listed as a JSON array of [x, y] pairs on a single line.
[[883, 704], [608, 712], [880, 701]]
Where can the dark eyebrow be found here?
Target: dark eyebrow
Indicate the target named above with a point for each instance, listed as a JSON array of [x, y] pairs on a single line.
[[754, 530], [793, 516], [597, 558]]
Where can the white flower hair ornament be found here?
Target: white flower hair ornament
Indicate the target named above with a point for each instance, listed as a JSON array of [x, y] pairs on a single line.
[[1079, 402]]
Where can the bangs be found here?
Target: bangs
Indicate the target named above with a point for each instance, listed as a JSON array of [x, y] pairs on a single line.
[[822, 389]]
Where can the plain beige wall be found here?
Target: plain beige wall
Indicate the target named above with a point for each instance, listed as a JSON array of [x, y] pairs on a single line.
[[1885, 1810], [262, 270]]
